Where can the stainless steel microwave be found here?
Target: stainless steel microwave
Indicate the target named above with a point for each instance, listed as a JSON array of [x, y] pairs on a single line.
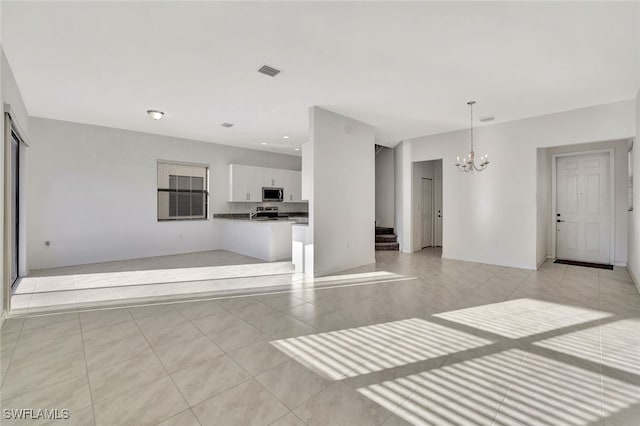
[[272, 194]]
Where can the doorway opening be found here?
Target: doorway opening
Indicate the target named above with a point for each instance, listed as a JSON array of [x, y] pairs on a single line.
[[427, 205]]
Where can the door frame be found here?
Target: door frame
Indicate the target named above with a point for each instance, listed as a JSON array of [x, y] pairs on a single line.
[[612, 198], [435, 217], [422, 179], [13, 126]]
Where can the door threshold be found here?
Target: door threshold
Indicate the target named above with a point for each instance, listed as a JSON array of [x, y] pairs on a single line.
[[585, 264]]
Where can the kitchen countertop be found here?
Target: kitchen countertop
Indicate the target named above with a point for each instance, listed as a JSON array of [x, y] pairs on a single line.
[[245, 218]]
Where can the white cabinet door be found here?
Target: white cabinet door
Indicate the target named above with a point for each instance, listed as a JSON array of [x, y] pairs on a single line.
[[293, 186], [288, 186], [273, 178], [254, 184], [296, 186], [266, 177], [238, 183], [279, 178]]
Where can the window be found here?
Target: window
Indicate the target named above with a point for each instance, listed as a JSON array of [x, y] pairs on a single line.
[[630, 185], [182, 191]]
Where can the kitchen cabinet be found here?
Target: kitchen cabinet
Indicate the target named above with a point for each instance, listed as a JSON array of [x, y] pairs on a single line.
[[269, 241], [293, 187], [273, 178], [246, 183]]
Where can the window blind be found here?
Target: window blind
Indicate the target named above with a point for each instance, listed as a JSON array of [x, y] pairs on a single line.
[[182, 191]]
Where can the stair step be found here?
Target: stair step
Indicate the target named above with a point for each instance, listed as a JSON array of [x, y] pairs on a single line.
[[386, 238], [383, 231], [388, 246]]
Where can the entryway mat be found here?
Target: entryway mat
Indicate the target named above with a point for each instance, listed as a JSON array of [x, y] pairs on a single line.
[[585, 264]]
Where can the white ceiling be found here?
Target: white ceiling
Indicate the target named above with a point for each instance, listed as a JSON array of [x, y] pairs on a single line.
[[406, 68]]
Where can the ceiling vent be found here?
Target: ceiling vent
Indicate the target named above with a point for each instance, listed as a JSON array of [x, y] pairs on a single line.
[[227, 124], [489, 118], [267, 70]]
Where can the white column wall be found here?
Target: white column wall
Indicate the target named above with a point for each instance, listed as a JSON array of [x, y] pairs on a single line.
[[342, 212]]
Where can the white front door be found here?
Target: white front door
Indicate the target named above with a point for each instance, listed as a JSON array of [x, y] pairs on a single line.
[[583, 227], [427, 213], [438, 211]]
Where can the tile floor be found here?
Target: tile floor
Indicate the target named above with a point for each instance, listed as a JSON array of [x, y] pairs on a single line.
[[439, 342], [208, 273]]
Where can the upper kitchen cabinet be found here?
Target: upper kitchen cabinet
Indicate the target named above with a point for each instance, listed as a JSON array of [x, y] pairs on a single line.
[[244, 183], [273, 178], [293, 186]]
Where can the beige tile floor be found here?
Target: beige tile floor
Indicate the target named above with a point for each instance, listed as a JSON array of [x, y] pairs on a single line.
[[438, 342], [132, 281]]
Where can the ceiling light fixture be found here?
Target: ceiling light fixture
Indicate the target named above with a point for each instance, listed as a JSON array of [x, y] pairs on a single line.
[[296, 149], [263, 143], [225, 124], [469, 164], [285, 137], [155, 114]]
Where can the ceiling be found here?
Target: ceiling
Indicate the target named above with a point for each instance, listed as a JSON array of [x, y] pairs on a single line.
[[406, 68]]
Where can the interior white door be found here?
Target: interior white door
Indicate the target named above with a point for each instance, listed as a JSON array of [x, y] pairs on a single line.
[[438, 213], [583, 203], [427, 212]]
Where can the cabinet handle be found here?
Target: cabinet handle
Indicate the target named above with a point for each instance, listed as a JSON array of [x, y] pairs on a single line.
[[290, 197], [247, 196], [273, 182]]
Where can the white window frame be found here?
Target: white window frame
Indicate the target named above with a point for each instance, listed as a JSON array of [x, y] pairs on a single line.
[[159, 191]]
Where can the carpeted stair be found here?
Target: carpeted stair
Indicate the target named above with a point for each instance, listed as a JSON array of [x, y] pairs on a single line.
[[386, 239]]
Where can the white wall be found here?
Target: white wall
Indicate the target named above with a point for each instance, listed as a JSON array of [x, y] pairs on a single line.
[[342, 212], [620, 149], [385, 188], [3, 285], [11, 99], [92, 193], [491, 216], [633, 262], [403, 195], [543, 205], [11, 96]]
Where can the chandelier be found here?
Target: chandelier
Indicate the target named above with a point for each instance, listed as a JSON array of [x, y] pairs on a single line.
[[468, 164]]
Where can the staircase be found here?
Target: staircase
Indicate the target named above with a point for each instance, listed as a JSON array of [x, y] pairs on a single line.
[[386, 239]]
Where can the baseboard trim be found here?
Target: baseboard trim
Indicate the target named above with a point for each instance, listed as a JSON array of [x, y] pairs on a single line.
[[633, 278], [3, 317], [621, 264], [543, 260]]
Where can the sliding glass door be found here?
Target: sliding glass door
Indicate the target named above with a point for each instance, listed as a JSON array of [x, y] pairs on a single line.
[[15, 194]]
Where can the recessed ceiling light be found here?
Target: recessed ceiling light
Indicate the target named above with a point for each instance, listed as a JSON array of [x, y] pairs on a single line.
[[296, 149], [267, 70], [155, 114], [225, 124], [263, 143], [285, 137]]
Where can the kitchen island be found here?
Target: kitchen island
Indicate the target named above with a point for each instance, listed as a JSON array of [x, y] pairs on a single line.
[[268, 240]]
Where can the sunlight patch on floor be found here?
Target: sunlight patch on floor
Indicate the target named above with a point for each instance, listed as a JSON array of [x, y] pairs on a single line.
[[363, 350]]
